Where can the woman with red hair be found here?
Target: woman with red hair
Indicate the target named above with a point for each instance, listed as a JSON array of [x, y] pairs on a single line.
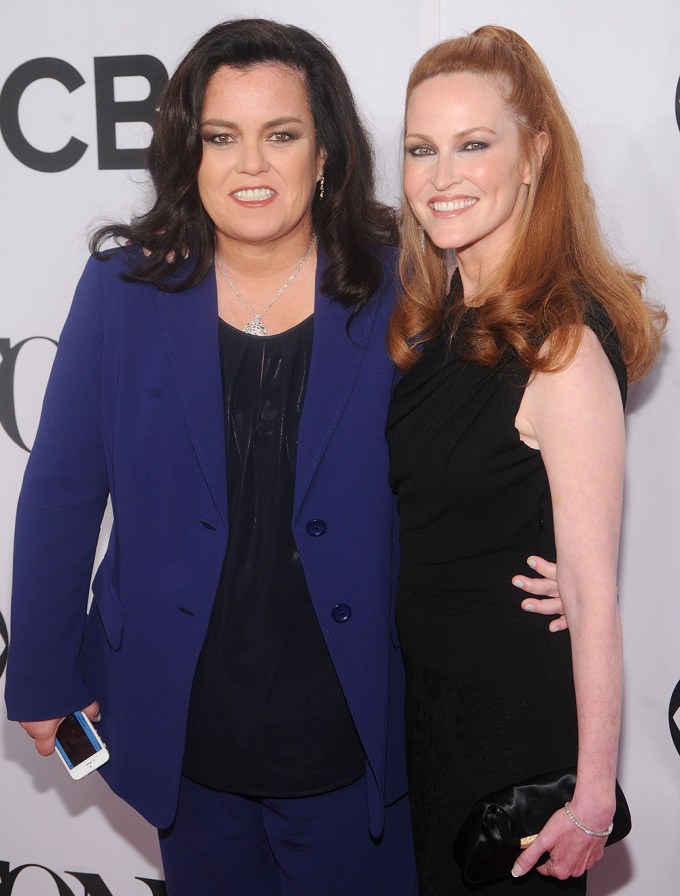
[[507, 439]]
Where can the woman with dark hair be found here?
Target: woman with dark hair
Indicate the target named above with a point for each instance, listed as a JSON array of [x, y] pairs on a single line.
[[348, 220], [223, 376], [506, 438]]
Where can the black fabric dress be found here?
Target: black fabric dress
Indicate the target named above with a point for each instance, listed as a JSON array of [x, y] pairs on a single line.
[[490, 698]]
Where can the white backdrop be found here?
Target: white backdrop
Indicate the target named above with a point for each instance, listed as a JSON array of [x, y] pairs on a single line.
[[617, 66]]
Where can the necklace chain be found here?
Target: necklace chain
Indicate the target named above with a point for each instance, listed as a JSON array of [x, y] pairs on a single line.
[[255, 326]]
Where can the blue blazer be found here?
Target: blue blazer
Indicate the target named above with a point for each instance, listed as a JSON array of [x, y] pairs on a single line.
[[134, 411]]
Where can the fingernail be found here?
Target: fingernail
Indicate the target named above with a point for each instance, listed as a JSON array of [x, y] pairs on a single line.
[[518, 583], [516, 871], [531, 562], [528, 607], [98, 717]]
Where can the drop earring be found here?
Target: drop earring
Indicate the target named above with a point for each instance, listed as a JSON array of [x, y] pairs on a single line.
[[321, 186], [421, 234]]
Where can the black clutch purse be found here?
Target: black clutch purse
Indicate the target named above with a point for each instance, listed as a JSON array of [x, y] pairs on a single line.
[[506, 821]]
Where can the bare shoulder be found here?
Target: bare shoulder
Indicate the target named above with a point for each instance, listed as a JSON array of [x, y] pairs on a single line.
[[582, 395]]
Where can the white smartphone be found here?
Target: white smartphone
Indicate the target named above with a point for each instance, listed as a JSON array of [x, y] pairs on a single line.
[[79, 746]]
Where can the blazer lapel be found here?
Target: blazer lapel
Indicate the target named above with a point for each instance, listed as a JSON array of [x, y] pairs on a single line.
[[336, 357], [190, 324]]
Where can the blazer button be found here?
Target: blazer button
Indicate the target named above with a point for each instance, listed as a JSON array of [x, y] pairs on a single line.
[[316, 528], [341, 613]]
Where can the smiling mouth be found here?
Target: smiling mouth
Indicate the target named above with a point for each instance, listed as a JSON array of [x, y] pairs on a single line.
[[257, 195], [453, 205]]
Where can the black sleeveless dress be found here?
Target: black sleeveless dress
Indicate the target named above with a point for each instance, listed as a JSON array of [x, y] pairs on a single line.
[[490, 698]]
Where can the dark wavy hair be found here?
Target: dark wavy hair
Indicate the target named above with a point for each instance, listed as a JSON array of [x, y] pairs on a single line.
[[349, 222]]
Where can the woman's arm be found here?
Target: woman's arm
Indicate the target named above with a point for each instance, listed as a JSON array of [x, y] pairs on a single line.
[[576, 418], [61, 504]]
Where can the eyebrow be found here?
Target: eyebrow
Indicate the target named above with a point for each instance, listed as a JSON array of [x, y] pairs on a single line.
[[461, 135], [275, 122]]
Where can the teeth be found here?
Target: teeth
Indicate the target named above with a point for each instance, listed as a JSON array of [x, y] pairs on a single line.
[[257, 195], [454, 205]]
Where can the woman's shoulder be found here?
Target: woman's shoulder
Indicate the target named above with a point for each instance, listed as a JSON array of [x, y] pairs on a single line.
[[589, 336], [107, 284], [597, 320], [388, 256], [594, 348], [122, 269], [385, 296], [114, 263]]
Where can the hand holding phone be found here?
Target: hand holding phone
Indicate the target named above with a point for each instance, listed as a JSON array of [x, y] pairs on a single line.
[[79, 746]]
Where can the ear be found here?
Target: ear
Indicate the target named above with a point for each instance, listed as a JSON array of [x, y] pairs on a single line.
[[541, 142], [538, 147]]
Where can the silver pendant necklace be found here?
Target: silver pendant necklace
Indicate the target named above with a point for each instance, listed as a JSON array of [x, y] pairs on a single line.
[[255, 327]]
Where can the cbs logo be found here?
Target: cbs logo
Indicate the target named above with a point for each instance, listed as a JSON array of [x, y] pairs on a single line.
[[109, 74]]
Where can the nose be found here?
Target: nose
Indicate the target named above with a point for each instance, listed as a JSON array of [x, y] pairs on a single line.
[[446, 173], [252, 158]]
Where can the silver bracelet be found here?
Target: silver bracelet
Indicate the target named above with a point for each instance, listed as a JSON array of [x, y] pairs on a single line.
[[572, 818]]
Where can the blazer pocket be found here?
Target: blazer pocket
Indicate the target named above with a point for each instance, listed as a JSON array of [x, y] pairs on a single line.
[[108, 605]]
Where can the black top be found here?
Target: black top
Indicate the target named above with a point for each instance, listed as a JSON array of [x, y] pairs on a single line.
[[490, 697], [267, 716]]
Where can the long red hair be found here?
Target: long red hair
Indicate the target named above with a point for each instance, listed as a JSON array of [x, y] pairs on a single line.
[[558, 258]]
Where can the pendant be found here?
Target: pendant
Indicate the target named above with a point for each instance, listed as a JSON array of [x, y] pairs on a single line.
[[255, 327]]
